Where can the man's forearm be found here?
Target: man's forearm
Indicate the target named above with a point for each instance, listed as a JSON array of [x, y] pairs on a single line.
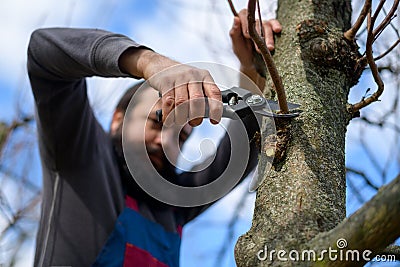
[[71, 54], [144, 62]]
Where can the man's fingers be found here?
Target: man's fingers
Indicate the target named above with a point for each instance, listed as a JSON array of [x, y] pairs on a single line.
[[270, 27], [214, 100], [181, 104], [243, 22], [168, 104], [276, 25], [197, 103], [235, 32], [186, 98], [269, 35]]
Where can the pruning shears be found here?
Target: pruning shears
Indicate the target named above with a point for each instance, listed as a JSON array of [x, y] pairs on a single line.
[[239, 103]]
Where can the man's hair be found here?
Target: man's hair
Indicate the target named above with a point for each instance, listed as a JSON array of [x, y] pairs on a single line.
[[126, 98]]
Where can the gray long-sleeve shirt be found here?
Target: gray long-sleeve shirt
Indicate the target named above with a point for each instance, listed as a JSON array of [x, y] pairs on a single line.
[[82, 189]]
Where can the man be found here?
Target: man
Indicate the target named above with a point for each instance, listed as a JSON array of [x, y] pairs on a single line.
[[93, 211]]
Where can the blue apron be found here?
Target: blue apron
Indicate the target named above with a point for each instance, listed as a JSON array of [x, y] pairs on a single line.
[[139, 242]]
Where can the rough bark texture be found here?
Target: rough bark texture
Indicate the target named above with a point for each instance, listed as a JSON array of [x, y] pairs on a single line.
[[372, 227], [304, 193]]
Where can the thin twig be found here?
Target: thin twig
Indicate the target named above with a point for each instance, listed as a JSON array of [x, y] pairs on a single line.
[[374, 69], [260, 20], [364, 176], [387, 51], [231, 229], [372, 157], [377, 10], [351, 33], [383, 123], [386, 21], [259, 41], [233, 8], [391, 25], [355, 191]]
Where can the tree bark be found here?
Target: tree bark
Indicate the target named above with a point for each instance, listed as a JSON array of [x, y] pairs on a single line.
[[370, 230], [304, 193]]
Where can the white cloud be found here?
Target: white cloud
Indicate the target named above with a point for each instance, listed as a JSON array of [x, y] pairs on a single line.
[[18, 20]]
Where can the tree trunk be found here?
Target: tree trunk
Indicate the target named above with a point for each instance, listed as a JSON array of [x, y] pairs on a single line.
[[304, 193]]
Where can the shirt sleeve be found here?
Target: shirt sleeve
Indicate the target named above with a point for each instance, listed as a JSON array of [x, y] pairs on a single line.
[[59, 60]]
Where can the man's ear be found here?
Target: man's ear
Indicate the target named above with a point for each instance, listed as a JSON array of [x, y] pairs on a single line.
[[116, 121]]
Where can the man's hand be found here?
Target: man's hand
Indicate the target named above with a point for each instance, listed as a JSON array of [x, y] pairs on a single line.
[[241, 40], [177, 83], [243, 47]]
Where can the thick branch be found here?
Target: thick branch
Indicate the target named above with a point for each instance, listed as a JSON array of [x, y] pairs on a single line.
[[351, 33], [258, 40], [373, 227]]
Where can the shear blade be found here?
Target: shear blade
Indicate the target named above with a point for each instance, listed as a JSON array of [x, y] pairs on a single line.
[[274, 105], [268, 113]]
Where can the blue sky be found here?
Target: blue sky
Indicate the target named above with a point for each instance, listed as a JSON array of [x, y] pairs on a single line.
[[184, 30], [153, 23]]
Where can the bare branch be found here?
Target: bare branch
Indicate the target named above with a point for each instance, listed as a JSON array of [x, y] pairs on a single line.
[[233, 8], [387, 51], [386, 21], [259, 41], [377, 10], [260, 19], [372, 227], [351, 33], [34, 202], [374, 69], [371, 38], [381, 123], [6, 130], [391, 24], [355, 191], [364, 176]]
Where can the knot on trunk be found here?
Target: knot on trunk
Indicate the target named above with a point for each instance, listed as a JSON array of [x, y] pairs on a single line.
[[325, 46]]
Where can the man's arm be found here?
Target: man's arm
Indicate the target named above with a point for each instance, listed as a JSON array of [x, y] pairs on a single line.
[[58, 62], [82, 194], [60, 58]]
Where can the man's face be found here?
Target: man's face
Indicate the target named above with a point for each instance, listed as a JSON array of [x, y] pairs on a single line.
[[162, 143]]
